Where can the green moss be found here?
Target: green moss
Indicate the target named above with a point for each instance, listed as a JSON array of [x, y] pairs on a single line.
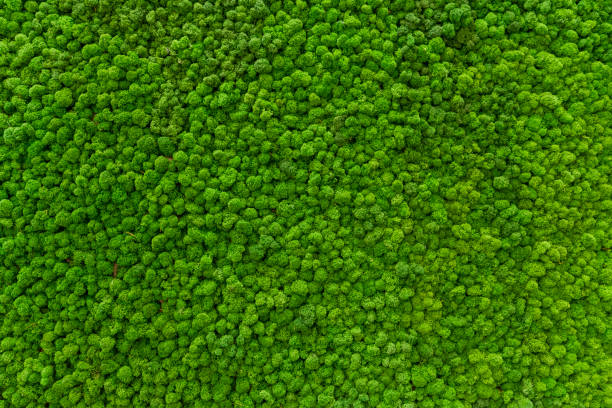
[[347, 203]]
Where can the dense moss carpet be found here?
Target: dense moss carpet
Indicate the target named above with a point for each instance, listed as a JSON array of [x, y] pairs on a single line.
[[336, 203]]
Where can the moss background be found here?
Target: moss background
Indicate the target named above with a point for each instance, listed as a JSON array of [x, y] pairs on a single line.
[[336, 203]]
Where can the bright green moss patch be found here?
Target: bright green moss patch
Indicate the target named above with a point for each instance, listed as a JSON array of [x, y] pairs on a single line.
[[338, 203]]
